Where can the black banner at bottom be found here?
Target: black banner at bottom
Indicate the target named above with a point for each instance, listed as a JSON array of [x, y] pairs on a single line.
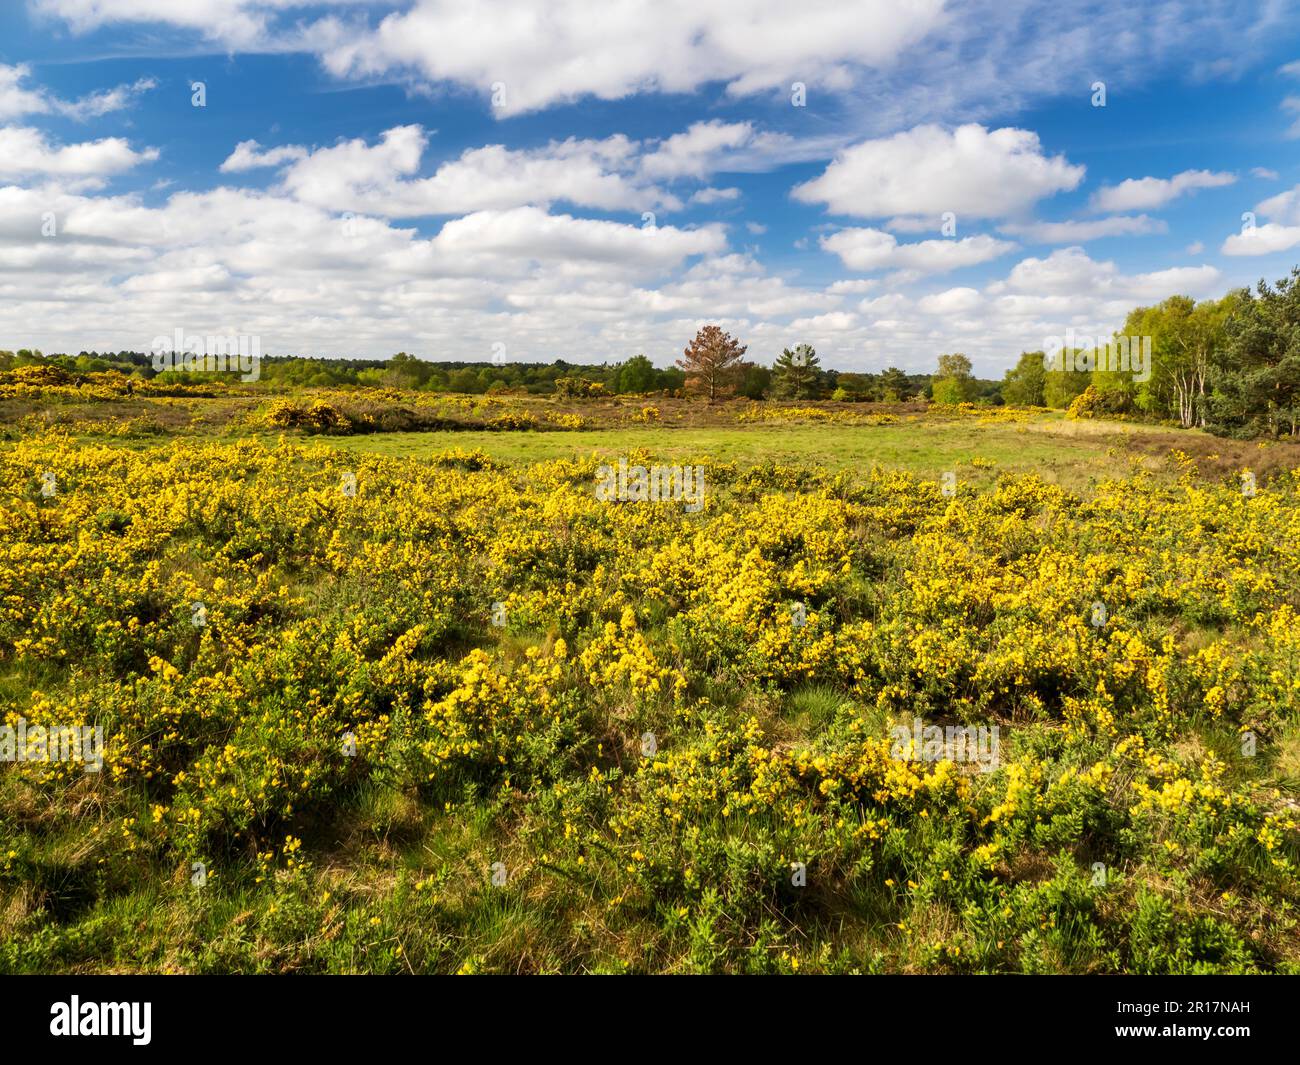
[[151, 1014]]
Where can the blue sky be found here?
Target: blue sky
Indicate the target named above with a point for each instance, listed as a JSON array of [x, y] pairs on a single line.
[[600, 181]]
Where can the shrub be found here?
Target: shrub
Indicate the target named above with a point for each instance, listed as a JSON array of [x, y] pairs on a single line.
[[579, 388]]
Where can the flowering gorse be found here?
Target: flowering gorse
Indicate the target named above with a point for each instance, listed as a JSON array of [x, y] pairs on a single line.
[[349, 669]]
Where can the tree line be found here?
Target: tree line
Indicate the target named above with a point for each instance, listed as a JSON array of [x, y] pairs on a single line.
[[634, 376], [1229, 365]]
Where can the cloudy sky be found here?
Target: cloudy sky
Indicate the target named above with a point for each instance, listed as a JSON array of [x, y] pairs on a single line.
[[590, 179]]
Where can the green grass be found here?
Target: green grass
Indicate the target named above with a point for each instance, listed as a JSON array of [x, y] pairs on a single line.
[[397, 878], [1064, 453]]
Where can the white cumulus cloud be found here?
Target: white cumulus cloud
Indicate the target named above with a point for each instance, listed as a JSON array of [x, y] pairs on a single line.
[[874, 249], [569, 50], [248, 155], [1145, 194], [970, 171], [26, 152]]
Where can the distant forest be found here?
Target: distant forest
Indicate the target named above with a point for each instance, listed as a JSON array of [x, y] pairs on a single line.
[[1229, 365]]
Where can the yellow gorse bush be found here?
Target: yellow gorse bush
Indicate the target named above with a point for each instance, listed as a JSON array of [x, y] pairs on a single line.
[[453, 623]]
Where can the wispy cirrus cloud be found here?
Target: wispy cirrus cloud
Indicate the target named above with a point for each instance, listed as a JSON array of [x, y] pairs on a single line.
[[19, 98], [1080, 231]]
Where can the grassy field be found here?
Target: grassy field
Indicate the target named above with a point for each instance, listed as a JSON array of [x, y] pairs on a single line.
[[833, 435], [1048, 448], [446, 709]]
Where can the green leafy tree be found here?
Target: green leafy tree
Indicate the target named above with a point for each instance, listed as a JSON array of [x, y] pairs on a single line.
[[463, 380], [636, 376], [858, 386], [954, 383], [755, 380], [1181, 358], [1061, 385], [406, 371], [671, 379], [1023, 384], [1116, 389]]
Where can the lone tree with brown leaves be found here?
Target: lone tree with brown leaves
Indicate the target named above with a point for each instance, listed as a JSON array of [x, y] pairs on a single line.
[[711, 360]]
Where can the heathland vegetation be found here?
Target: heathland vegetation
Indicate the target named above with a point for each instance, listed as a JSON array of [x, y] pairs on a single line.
[[372, 676], [925, 688], [1231, 366]]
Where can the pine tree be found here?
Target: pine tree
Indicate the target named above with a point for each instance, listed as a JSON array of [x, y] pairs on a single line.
[[797, 373], [894, 385], [711, 360]]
